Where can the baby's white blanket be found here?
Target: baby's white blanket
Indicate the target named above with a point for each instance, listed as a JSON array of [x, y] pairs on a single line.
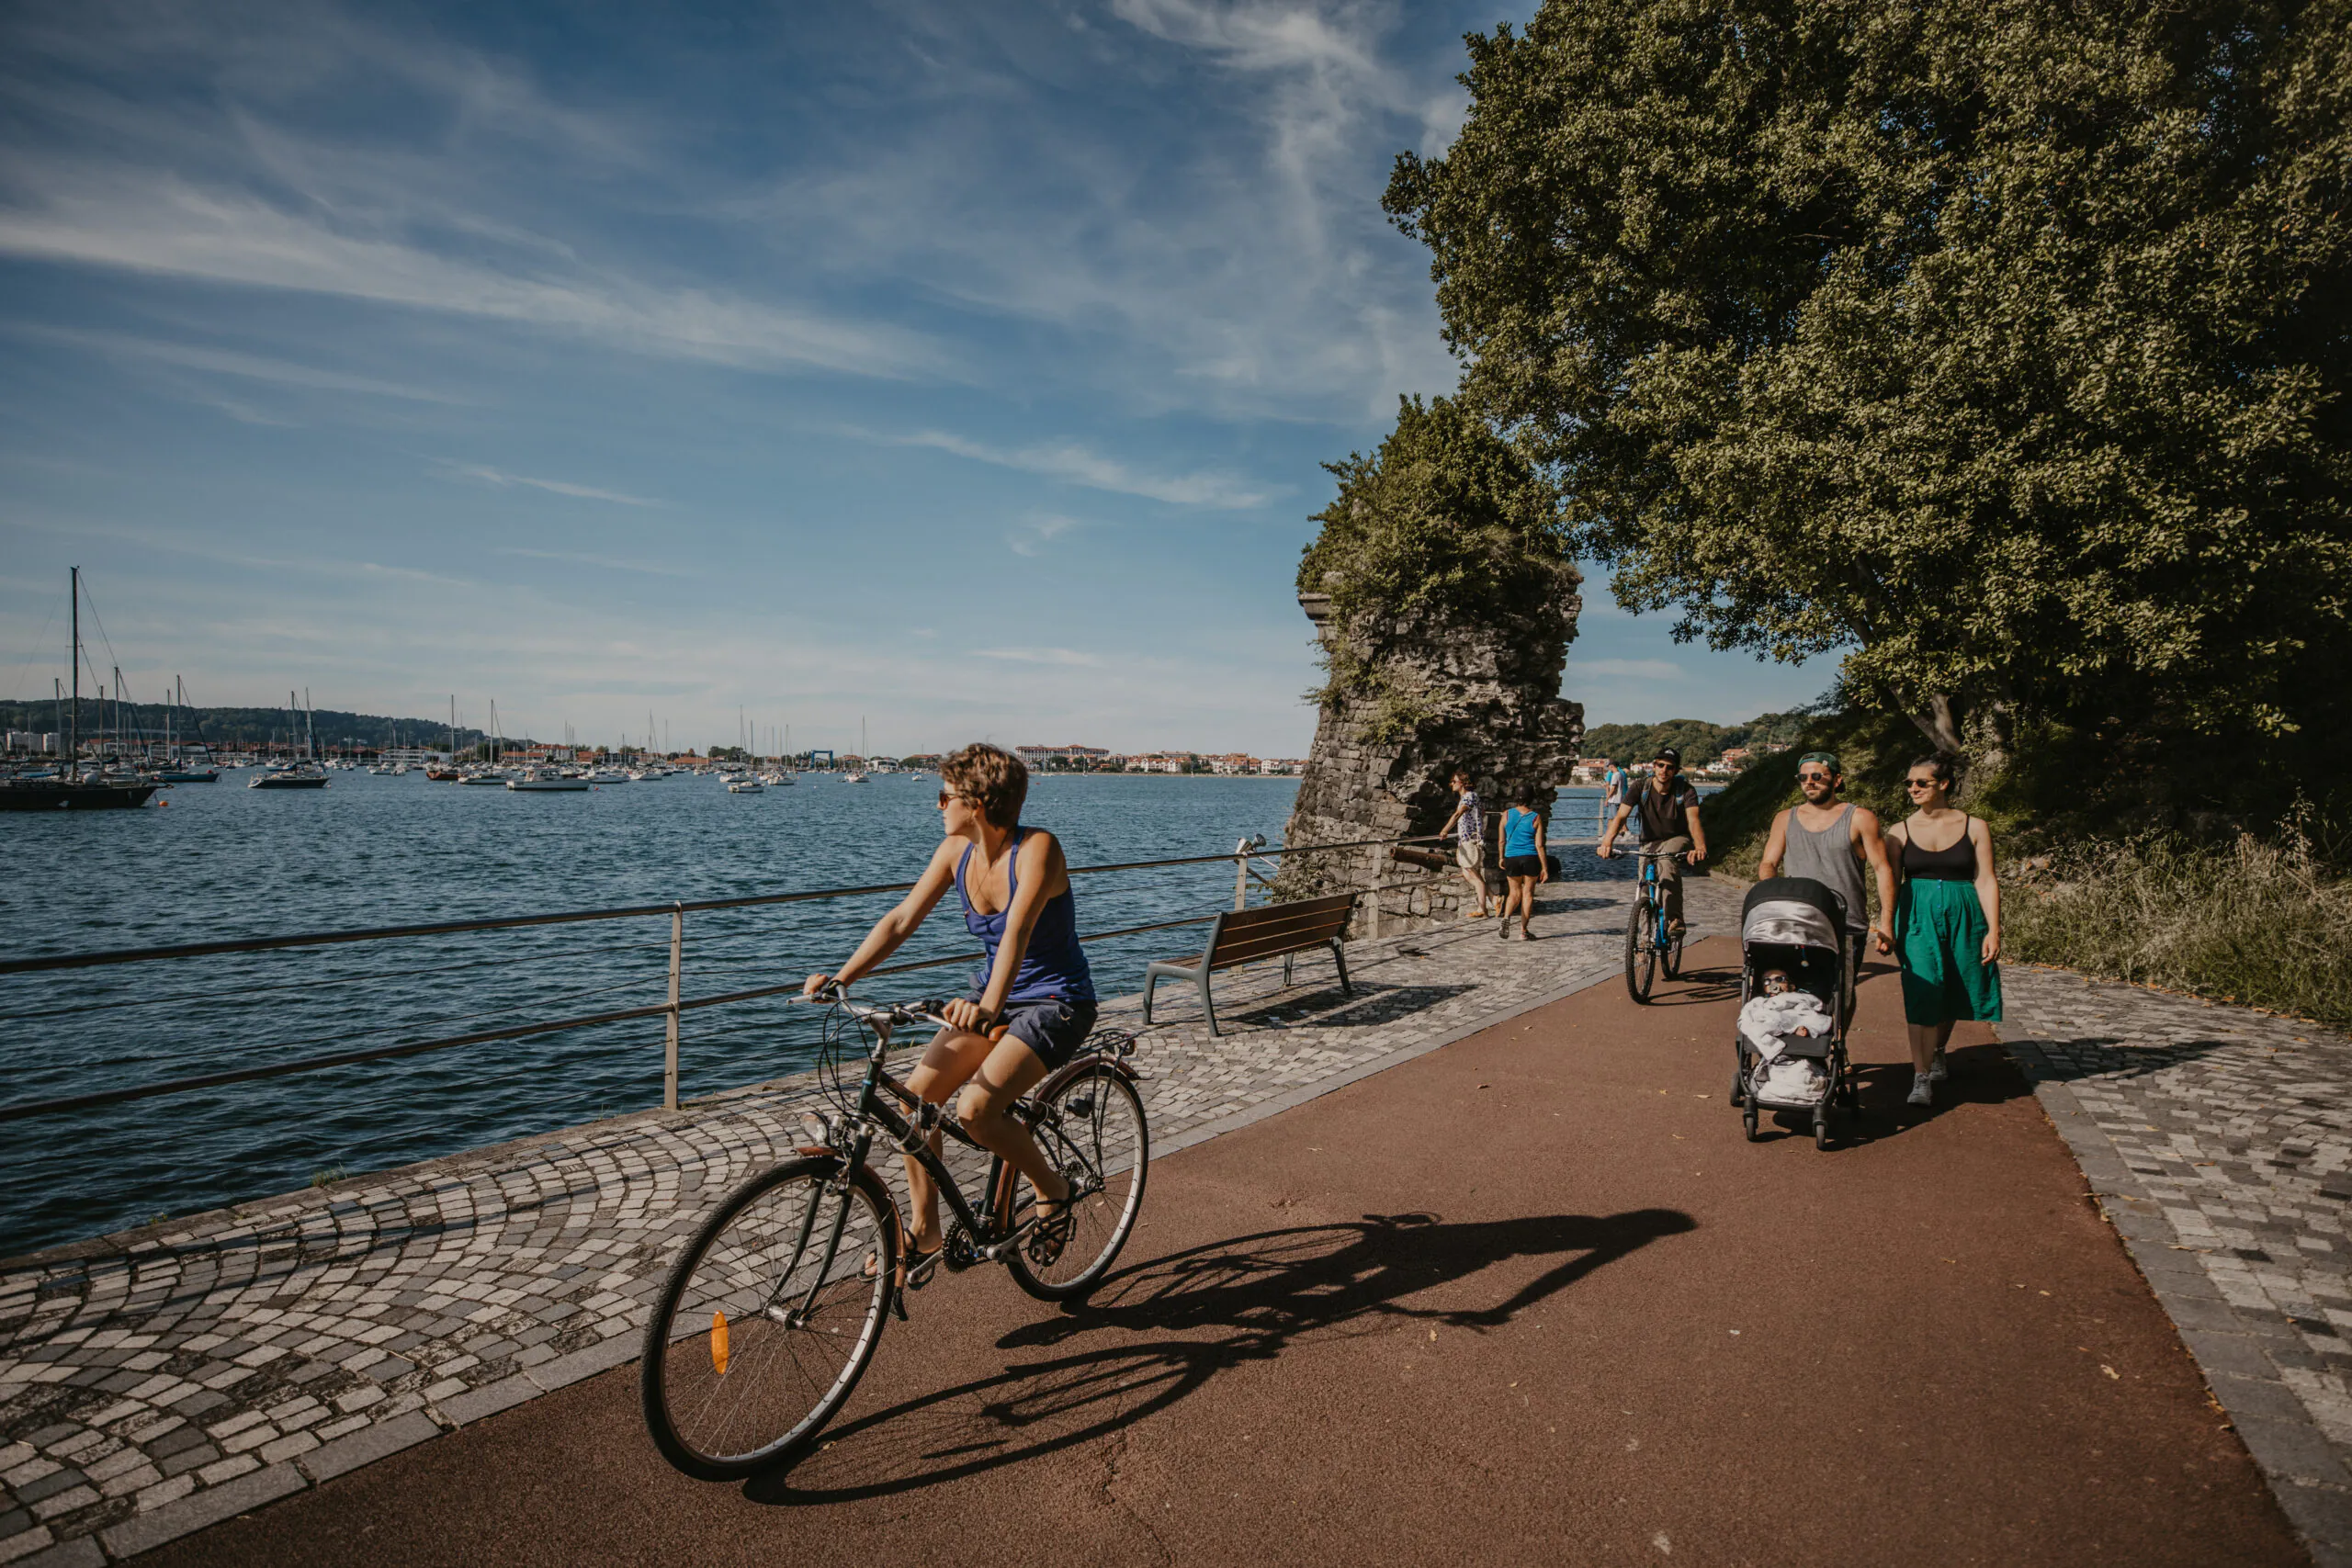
[[1770, 1025]]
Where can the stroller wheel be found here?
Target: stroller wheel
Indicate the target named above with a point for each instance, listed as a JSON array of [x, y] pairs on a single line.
[[1739, 1084], [1821, 1127], [1748, 1121]]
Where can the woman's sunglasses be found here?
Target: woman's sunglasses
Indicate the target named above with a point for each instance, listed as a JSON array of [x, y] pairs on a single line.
[[1922, 783], [946, 795]]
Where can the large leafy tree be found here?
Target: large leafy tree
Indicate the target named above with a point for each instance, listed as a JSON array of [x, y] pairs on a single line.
[[2001, 344]]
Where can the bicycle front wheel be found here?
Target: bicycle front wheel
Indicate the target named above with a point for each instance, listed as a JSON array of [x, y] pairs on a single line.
[[1092, 1128], [769, 1318], [1641, 951]]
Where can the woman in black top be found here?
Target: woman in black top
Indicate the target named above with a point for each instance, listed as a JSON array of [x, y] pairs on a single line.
[[1947, 920]]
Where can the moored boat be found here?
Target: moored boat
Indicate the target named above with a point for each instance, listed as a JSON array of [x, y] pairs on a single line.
[[54, 794]]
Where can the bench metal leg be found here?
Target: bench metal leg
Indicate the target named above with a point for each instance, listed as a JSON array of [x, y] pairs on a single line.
[[1340, 959], [1150, 984], [1287, 957], [1208, 1008]]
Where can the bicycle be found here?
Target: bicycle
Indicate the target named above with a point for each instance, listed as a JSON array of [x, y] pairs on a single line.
[[1647, 937], [776, 1305]]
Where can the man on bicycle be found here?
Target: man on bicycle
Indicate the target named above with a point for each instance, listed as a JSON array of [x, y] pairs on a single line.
[[1668, 808], [1031, 1001]]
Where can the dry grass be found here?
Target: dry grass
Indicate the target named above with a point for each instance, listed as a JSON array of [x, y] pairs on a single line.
[[2265, 923]]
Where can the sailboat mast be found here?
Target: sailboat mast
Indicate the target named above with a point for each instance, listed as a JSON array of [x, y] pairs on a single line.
[[74, 723]]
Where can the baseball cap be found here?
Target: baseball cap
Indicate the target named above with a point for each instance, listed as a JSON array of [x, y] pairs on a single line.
[[1669, 754]]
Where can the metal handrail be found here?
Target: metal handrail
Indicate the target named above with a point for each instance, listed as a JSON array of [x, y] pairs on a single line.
[[669, 1010], [571, 917]]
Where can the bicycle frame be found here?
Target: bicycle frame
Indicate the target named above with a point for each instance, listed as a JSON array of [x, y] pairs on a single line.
[[876, 1115]]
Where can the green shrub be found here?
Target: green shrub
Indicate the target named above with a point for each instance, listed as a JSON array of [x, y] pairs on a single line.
[[2265, 923]]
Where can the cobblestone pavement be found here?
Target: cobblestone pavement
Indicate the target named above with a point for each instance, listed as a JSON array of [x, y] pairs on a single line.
[[156, 1381], [2219, 1143]]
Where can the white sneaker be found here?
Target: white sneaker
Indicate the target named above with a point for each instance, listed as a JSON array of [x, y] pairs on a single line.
[[1937, 1071], [1923, 1089]]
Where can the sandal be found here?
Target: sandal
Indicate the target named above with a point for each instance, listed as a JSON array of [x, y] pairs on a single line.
[[1053, 1231], [919, 1267]]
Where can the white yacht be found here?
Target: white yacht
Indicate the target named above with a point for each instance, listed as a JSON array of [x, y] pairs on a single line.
[[543, 780]]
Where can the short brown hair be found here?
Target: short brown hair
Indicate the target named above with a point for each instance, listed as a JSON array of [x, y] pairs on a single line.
[[990, 777]]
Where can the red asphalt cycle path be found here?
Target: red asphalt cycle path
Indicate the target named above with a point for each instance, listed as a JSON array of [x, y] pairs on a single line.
[[1527, 1299]]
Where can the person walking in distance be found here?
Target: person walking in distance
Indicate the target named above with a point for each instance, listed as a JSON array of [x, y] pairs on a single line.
[[1831, 841], [1947, 920], [1524, 867], [1468, 827], [1612, 790], [1668, 808]]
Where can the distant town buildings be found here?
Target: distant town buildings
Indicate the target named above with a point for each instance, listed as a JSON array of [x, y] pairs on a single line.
[[1101, 759]]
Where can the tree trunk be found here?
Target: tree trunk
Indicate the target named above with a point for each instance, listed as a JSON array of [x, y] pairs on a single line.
[[1940, 724]]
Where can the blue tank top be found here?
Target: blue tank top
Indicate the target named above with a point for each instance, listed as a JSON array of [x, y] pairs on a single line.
[[1519, 831], [1053, 967]]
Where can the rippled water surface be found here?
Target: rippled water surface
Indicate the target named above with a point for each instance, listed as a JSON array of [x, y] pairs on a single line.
[[221, 861]]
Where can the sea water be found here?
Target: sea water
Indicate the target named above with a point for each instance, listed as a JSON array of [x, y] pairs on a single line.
[[219, 861]]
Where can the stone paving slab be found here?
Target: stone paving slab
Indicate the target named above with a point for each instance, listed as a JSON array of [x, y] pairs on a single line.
[[2218, 1141], [158, 1381]]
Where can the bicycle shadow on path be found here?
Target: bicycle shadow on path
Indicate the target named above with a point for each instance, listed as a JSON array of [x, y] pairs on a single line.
[[1243, 1300]]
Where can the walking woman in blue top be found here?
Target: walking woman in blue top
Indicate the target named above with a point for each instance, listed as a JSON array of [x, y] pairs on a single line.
[[1031, 1001], [1524, 867]]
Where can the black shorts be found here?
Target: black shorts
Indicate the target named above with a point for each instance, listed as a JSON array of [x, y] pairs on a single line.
[[1053, 1030], [1522, 865]]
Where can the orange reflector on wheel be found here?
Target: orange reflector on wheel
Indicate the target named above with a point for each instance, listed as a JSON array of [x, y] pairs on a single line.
[[719, 1342]]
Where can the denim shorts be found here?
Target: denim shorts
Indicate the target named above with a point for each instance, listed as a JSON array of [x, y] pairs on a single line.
[[1053, 1030]]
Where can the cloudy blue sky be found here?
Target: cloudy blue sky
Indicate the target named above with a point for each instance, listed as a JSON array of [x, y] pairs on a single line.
[[966, 366]]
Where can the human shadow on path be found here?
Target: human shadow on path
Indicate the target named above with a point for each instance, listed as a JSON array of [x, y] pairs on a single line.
[[1202, 1310]]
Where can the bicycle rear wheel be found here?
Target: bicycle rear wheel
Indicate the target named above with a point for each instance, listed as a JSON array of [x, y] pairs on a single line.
[[1641, 951], [1092, 1129], [769, 1318]]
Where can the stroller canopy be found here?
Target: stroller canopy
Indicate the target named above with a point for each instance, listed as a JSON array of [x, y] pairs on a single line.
[[1795, 912]]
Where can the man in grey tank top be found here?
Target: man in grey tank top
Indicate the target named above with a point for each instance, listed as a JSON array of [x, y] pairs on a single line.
[[1830, 842]]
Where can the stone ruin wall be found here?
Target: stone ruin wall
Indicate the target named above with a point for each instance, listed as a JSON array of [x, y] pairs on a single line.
[[1495, 688]]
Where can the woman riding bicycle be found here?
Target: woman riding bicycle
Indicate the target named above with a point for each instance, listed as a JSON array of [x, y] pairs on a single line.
[[1031, 1001]]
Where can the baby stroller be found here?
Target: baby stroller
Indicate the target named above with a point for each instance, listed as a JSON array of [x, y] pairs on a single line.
[[1797, 926]]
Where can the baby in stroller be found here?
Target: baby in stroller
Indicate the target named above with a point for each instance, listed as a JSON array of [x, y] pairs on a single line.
[[1791, 1037], [1790, 1030]]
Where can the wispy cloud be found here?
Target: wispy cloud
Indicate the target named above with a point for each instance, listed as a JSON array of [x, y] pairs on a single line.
[[99, 216], [608, 562], [503, 480], [1638, 668], [1030, 538], [1040, 656], [1080, 464], [229, 362]]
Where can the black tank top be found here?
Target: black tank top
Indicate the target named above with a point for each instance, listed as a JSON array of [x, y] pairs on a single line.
[[1957, 863]]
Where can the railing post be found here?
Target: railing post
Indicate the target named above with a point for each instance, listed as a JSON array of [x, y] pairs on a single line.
[[1242, 875], [669, 1045]]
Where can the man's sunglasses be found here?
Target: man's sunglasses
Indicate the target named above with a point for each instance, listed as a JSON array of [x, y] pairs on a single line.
[[1813, 778]]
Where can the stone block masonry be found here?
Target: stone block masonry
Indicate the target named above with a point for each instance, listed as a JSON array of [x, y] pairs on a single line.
[[157, 1381]]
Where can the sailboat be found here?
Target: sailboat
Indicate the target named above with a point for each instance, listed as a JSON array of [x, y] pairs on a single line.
[[303, 774], [70, 791], [857, 775]]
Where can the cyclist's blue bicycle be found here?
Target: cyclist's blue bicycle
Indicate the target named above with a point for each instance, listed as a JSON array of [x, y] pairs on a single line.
[[1648, 943]]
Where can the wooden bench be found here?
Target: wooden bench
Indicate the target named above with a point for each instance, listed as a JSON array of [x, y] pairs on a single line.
[[1244, 936]]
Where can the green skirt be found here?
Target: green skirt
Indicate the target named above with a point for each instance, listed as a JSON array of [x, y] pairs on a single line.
[[1940, 940]]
